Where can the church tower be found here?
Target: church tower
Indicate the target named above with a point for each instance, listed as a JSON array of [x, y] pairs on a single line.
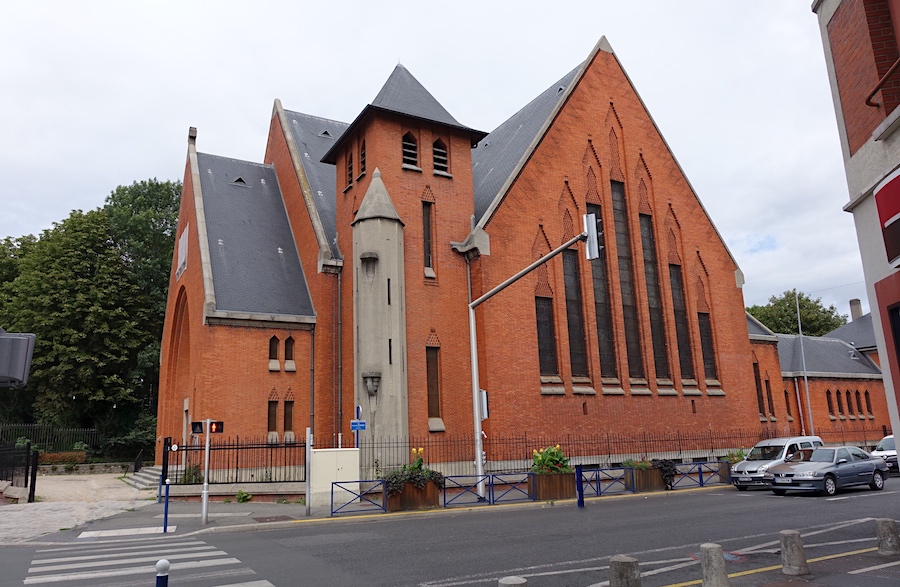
[[404, 192]]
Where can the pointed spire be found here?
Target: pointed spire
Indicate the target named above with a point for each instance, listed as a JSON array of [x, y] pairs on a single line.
[[402, 93], [377, 202]]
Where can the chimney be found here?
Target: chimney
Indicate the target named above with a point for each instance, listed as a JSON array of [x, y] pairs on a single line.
[[855, 309]]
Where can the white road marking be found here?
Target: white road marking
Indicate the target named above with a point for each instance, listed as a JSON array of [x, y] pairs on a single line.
[[149, 570]]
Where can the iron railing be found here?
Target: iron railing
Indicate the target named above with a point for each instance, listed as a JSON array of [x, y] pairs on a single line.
[[237, 461], [50, 438]]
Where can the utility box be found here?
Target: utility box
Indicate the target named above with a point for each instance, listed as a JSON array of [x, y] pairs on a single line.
[[328, 465], [16, 350]]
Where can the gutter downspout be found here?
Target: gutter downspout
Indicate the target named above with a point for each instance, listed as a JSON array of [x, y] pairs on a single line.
[[312, 380], [800, 407], [340, 359]]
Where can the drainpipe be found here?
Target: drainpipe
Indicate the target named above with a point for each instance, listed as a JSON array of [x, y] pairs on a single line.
[[340, 361], [312, 380]]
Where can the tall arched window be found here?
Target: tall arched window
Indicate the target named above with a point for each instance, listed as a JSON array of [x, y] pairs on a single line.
[[859, 409], [273, 348], [850, 406], [868, 404], [441, 160], [840, 403], [830, 404]]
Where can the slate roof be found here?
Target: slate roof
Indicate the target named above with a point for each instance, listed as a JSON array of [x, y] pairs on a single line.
[[254, 261], [314, 137], [499, 152], [860, 333], [829, 357], [757, 328], [403, 94]]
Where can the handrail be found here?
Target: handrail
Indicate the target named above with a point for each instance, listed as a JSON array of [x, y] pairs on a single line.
[[880, 83]]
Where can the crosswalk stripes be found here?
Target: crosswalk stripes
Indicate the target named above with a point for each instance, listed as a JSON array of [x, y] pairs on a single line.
[[126, 562]]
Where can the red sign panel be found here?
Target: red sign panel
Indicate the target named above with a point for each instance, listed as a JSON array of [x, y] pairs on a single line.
[[887, 200]]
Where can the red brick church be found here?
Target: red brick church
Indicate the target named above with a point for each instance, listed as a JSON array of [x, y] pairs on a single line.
[[338, 271]]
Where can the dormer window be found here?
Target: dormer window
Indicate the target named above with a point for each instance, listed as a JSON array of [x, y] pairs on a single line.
[[441, 162], [410, 150]]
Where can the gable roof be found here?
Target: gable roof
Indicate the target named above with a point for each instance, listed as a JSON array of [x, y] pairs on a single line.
[[860, 333], [251, 246], [824, 357], [314, 136], [499, 153], [757, 329], [403, 94]]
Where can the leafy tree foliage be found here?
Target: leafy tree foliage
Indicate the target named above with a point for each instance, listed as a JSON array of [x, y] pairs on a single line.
[[780, 314], [93, 289], [74, 291]]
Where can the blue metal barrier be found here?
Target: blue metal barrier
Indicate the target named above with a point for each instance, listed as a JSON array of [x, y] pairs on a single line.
[[462, 490], [366, 496], [602, 481], [510, 487], [699, 474]]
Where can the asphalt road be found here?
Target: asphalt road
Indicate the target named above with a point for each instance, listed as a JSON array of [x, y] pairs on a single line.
[[563, 545], [551, 546]]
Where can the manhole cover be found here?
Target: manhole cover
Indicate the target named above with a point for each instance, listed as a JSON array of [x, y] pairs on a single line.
[[274, 519]]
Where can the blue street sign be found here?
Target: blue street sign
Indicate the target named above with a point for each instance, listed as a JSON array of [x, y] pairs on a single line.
[[357, 425]]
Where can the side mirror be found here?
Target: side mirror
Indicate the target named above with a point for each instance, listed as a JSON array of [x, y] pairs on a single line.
[[841, 461]]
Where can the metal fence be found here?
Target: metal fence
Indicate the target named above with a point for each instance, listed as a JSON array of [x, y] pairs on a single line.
[[455, 455], [239, 461], [49, 438], [16, 463]]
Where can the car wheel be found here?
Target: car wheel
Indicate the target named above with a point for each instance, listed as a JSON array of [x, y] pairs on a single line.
[[877, 481], [740, 488], [830, 487], [779, 491]]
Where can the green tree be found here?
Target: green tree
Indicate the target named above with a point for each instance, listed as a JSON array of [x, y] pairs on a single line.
[[780, 314], [143, 220], [75, 291]]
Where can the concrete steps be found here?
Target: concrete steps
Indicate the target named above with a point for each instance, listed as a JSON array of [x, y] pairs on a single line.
[[146, 478]]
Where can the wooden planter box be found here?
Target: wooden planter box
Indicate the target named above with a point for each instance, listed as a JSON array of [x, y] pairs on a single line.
[[645, 480], [552, 487], [413, 498]]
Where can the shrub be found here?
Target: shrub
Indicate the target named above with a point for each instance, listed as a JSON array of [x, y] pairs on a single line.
[[641, 465], [52, 458], [242, 496], [416, 473], [550, 460], [192, 475]]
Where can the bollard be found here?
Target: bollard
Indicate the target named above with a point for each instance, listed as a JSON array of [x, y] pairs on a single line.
[[712, 561], [166, 510], [888, 540], [624, 571], [512, 581], [162, 573], [793, 557], [579, 486]]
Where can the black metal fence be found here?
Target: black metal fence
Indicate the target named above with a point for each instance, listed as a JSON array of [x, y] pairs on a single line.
[[49, 438], [239, 461], [455, 455], [18, 465]]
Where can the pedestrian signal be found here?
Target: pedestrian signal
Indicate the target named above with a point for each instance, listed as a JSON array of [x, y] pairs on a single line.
[[216, 427]]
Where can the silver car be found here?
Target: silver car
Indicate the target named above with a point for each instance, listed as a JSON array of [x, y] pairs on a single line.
[[825, 470]]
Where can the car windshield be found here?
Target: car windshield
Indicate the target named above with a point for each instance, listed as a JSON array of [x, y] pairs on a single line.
[[764, 453], [822, 455], [886, 444]]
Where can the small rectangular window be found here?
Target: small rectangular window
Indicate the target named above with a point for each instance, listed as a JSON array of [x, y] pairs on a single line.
[[288, 416], [362, 157], [273, 416], [433, 376], [426, 234], [349, 169]]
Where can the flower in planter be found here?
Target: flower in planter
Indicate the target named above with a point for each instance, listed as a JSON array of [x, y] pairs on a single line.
[[641, 465], [550, 460], [416, 473]]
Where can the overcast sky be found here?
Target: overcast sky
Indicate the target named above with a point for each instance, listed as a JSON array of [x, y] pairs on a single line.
[[101, 94]]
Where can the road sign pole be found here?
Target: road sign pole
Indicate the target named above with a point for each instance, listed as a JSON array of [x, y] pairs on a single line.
[[204, 509]]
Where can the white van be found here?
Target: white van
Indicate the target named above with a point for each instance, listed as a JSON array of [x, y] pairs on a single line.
[[768, 453], [887, 450]]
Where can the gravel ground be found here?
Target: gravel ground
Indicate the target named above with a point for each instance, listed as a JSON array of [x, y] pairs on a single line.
[[66, 501]]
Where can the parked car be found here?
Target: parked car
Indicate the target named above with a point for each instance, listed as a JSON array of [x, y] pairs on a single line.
[[768, 453], [825, 470], [887, 450]]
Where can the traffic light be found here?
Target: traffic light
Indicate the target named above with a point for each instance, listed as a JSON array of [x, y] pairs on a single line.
[[216, 427], [196, 427]]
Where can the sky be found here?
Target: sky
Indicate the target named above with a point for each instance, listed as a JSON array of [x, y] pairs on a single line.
[[97, 94]]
